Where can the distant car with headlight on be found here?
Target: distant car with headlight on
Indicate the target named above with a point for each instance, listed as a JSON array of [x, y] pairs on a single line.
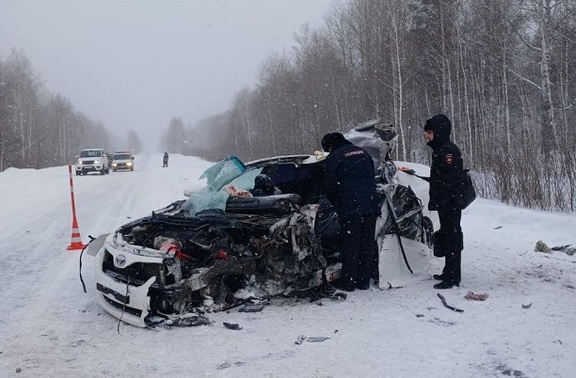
[[122, 160], [92, 160]]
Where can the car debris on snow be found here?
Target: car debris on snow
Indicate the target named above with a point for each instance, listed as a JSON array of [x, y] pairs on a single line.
[[541, 247], [251, 307], [447, 305], [186, 321], [476, 296], [311, 339], [569, 249], [232, 326]]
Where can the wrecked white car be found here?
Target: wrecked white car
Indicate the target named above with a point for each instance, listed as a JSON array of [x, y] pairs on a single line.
[[257, 230]]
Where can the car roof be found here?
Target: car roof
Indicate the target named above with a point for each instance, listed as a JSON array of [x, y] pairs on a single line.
[[296, 159]]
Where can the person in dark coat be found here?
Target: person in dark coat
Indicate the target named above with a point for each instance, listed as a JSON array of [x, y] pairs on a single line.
[[264, 186], [165, 160], [447, 165], [350, 186]]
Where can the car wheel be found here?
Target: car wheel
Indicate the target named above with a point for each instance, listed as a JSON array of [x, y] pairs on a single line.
[[102, 171], [427, 236]]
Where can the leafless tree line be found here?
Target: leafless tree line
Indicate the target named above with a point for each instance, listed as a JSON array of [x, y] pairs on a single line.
[[37, 128], [502, 70]]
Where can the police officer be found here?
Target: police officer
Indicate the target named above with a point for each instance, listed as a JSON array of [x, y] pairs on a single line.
[[445, 171], [350, 186]]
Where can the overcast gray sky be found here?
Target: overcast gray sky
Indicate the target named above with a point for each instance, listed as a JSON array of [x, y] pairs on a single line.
[[135, 64]]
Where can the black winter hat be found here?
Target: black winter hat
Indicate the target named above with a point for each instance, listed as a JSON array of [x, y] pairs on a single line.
[[331, 140], [264, 182], [440, 124]]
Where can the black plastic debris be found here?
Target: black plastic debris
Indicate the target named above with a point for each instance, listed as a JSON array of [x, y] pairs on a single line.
[[232, 326], [189, 321], [300, 340], [251, 307]]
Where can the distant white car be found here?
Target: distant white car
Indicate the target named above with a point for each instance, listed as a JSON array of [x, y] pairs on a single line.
[[225, 241], [92, 160], [122, 160]]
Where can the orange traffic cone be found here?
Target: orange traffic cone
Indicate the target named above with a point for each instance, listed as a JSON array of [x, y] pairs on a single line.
[[76, 242]]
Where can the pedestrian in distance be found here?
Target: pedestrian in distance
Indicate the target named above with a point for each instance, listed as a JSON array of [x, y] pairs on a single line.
[[445, 174], [165, 160], [350, 186]]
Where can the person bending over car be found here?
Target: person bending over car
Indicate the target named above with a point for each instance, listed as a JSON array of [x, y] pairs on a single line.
[[350, 186], [264, 186]]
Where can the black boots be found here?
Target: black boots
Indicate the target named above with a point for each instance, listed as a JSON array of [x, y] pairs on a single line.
[[343, 285], [446, 282], [446, 285]]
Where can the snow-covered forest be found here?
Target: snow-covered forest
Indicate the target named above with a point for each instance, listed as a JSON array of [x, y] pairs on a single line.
[[502, 70]]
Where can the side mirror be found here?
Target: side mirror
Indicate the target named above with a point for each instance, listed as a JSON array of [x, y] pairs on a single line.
[[132, 157]]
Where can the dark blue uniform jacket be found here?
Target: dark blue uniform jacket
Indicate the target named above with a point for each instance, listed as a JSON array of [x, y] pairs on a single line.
[[445, 171], [350, 182]]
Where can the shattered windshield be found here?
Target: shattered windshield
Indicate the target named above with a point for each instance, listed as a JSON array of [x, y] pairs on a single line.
[[222, 172], [246, 180], [230, 177], [218, 175], [216, 199]]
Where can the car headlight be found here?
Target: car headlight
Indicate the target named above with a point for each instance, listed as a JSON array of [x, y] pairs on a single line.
[[114, 164], [96, 161], [129, 164], [79, 161]]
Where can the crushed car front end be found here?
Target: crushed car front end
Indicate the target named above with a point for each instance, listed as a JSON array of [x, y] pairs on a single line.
[[169, 264]]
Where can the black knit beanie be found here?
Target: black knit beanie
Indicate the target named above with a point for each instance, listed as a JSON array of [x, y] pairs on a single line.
[[331, 140]]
